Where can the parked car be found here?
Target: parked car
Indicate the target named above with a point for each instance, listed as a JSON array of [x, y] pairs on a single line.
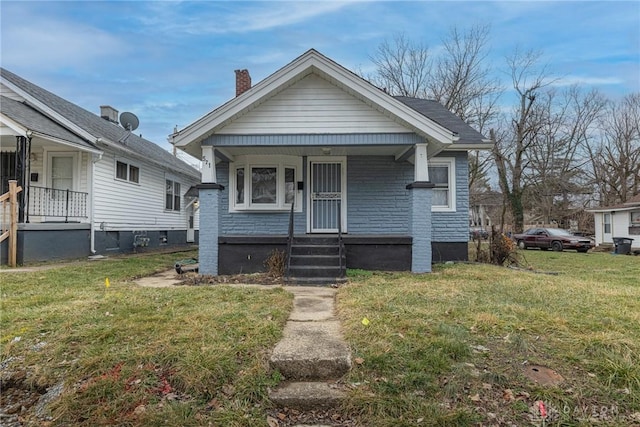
[[556, 239], [477, 232]]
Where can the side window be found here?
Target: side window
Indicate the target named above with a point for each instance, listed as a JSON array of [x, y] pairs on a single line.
[[172, 195], [127, 172], [442, 175]]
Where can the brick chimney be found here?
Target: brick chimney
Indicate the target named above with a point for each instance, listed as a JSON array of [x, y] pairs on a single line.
[[243, 81], [109, 113]]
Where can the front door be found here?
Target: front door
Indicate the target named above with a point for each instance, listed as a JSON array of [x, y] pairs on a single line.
[[327, 196], [62, 168]]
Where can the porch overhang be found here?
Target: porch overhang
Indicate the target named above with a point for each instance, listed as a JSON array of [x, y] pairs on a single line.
[[400, 146]]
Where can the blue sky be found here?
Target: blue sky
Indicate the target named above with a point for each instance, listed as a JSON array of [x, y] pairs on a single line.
[[172, 62]]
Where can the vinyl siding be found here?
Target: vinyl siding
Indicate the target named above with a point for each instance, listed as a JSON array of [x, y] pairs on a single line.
[[312, 105], [121, 205]]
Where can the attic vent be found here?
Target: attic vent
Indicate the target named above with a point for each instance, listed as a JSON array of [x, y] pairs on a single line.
[[109, 113]]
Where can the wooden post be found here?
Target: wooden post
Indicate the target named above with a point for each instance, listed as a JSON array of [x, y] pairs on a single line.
[[13, 223]]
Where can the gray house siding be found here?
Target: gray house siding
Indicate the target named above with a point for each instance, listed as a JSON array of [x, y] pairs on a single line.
[[377, 198]]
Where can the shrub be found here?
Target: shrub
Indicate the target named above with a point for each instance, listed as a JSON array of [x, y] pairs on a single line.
[[276, 263]]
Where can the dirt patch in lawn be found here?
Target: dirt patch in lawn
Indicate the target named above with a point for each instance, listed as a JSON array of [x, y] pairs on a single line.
[[192, 279]]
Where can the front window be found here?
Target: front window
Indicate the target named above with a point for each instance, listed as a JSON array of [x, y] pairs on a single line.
[[264, 185], [269, 181], [441, 174], [635, 219], [172, 195]]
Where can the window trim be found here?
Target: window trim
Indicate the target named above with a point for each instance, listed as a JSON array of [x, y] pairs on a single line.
[[129, 165], [280, 163], [450, 163]]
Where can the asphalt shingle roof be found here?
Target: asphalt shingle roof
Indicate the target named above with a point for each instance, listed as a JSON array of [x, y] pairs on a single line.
[[439, 114], [101, 128], [37, 122]]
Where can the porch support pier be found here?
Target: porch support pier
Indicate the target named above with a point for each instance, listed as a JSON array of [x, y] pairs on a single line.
[[420, 213], [209, 194]]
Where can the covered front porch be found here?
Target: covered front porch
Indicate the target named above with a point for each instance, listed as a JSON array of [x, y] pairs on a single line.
[[53, 166], [368, 194]]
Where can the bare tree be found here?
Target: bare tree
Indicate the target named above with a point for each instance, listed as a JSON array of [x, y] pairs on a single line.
[[615, 157], [556, 174], [521, 132], [403, 67], [461, 79], [458, 77]]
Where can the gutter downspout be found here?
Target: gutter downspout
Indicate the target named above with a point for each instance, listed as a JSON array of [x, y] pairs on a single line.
[[94, 160]]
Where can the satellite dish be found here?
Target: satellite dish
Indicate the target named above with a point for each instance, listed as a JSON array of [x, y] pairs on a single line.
[[129, 121]]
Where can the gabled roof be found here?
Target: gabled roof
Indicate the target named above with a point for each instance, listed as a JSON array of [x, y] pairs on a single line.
[[89, 127], [442, 128]]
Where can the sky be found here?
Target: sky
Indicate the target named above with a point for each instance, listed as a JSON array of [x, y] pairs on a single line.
[[170, 63]]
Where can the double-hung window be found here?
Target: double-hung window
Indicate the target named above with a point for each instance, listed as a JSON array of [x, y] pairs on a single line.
[[172, 195], [442, 175], [127, 172], [267, 183]]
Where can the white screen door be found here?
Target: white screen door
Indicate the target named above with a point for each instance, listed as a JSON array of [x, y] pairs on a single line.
[[327, 197]]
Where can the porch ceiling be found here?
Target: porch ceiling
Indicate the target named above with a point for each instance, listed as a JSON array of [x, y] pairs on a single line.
[[327, 150]]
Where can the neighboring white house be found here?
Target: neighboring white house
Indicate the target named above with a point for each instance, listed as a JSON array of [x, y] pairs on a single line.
[[619, 221], [90, 186]]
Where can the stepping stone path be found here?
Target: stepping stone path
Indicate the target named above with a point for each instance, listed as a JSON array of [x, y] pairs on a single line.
[[312, 355]]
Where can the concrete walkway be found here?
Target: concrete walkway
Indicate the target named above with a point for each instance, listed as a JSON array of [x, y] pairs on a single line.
[[312, 355]]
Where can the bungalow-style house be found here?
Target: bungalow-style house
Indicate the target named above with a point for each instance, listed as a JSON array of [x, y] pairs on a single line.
[[621, 221], [90, 185], [318, 153]]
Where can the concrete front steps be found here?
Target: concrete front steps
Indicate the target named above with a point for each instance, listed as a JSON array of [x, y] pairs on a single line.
[[316, 260], [312, 355]]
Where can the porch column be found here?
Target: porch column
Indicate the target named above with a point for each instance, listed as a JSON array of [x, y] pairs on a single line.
[[420, 225], [209, 195], [420, 193], [208, 164]]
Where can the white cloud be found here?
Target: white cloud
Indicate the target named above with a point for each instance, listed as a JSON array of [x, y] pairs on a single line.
[[236, 17], [587, 81], [43, 41]]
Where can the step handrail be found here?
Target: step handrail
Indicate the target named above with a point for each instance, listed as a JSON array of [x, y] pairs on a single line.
[[289, 243]]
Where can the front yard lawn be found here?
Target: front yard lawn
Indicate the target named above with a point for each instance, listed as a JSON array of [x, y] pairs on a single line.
[[447, 348], [453, 347]]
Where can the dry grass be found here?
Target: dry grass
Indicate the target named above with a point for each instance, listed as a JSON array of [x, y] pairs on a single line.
[[128, 355], [446, 348], [449, 348]]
